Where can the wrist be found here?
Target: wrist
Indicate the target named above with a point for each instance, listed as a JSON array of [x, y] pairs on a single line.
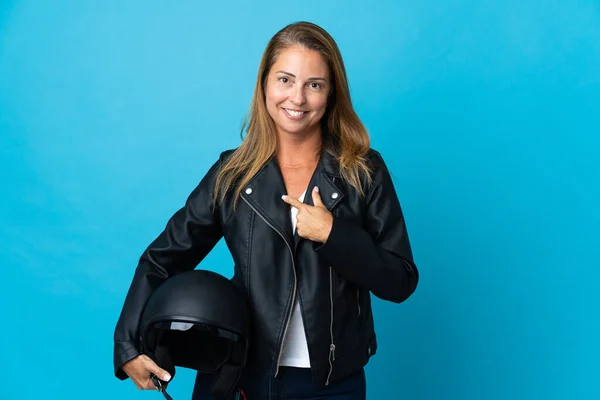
[[327, 230]]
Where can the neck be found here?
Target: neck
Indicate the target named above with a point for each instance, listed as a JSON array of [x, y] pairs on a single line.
[[299, 150]]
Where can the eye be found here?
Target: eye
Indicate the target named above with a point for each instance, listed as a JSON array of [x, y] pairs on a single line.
[[284, 79], [315, 85]]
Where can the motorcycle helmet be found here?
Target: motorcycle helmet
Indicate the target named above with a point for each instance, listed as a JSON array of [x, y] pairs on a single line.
[[199, 320]]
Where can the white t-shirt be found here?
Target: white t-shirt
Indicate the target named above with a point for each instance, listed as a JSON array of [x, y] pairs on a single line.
[[295, 348]]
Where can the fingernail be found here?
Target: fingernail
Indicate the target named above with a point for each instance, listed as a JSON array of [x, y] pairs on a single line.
[[283, 197], [316, 189], [167, 377]]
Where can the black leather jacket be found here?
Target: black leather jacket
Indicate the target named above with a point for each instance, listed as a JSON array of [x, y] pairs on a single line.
[[368, 251]]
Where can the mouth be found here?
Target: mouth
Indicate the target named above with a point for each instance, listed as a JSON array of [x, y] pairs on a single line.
[[294, 114]]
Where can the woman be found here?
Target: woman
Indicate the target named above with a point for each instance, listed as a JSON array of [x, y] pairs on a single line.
[[313, 223]]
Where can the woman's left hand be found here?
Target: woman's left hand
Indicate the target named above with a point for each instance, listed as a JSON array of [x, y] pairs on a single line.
[[312, 222]]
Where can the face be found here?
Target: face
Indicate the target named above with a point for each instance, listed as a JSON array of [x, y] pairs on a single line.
[[296, 91]]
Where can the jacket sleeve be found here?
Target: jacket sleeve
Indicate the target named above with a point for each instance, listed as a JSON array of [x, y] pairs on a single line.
[[378, 255], [188, 237]]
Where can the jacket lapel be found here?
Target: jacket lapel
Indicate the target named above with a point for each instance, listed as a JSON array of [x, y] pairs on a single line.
[[325, 177], [263, 193]]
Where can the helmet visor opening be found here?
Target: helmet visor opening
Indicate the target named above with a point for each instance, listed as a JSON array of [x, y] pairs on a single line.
[[197, 347]]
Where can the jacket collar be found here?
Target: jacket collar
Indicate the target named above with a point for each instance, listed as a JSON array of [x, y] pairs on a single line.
[[263, 193]]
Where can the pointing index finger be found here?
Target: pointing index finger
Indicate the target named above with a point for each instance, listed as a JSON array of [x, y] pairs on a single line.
[[292, 201]]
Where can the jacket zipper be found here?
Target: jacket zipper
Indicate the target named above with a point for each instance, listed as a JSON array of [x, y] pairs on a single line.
[[287, 322], [332, 345]]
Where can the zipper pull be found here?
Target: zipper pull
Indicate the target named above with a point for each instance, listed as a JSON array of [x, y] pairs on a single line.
[[332, 350]]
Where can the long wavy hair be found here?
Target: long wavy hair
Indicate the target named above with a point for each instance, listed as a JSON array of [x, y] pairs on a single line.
[[344, 135]]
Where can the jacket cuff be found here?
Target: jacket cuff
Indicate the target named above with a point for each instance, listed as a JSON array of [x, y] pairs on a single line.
[[339, 239], [123, 352]]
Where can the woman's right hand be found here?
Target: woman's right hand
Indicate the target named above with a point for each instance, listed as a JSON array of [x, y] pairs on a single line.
[[140, 369]]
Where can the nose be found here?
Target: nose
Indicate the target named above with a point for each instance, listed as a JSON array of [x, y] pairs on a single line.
[[298, 97]]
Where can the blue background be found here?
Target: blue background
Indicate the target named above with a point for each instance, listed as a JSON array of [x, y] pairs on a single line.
[[487, 112]]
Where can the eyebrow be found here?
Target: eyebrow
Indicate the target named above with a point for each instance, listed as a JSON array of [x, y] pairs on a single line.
[[293, 76]]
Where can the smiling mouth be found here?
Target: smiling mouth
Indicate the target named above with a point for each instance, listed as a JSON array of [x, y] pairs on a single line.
[[294, 113]]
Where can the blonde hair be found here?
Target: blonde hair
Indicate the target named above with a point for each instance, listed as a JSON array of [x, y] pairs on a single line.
[[344, 135]]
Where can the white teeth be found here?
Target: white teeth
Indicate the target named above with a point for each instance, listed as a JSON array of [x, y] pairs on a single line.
[[294, 113]]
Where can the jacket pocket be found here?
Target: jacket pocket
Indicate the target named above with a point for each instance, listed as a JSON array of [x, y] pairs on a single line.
[[361, 309], [372, 346]]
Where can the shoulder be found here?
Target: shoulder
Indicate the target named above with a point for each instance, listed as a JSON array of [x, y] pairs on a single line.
[[374, 159], [223, 157], [381, 178], [215, 166], [376, 164], [225, 154]]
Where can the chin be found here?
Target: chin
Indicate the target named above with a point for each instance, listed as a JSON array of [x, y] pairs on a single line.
[[293, 130]]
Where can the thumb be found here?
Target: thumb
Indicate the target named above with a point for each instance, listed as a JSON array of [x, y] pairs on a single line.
[[159, 372], [317, 197]]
